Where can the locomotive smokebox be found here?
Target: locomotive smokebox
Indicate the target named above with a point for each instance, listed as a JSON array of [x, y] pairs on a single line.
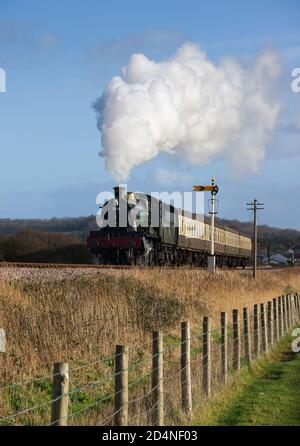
[[120, 192]]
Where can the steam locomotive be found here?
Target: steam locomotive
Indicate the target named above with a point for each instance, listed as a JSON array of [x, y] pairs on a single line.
[[173, 240]]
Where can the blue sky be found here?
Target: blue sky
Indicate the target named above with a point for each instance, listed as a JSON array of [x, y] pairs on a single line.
[[58, 57]]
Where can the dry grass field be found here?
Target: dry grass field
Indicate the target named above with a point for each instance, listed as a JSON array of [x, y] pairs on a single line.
[[79, 315]]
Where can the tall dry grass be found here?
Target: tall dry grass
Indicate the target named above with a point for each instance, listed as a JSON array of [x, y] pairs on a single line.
[[79, 318]]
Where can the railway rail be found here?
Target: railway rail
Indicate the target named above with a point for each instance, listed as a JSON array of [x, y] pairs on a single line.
[[60, 265], [115, 267]]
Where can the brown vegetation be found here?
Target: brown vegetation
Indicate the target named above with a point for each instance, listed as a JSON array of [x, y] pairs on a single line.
[[269, 239], [79, 316], [36, 246]]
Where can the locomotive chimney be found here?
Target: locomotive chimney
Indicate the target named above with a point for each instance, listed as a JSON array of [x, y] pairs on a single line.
[[120, 192], [121, 198]]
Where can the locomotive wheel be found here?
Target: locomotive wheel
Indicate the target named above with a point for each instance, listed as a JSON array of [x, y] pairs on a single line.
[[151, 259], [129, 259], [140, 260]]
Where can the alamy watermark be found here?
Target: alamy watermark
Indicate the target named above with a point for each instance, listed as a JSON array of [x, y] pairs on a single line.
[[295, 85], [296, 342], [2, 80], [133, 209]]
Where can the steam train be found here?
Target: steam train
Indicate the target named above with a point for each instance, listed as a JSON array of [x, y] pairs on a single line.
[[173, 240]]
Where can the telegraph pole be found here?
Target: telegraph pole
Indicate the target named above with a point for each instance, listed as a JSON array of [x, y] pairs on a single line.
[[212, 258], [255, 206]]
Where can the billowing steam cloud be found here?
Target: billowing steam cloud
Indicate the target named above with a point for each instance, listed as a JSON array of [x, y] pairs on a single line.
[[188, 106]]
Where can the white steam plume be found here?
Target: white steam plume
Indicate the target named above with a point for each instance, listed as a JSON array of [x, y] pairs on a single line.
[[186, 105]]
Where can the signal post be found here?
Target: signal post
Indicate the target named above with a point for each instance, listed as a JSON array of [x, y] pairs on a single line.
[[213, 189]]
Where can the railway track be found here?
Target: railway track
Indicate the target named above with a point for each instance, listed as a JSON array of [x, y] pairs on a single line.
[[115, 267], [60, 265]]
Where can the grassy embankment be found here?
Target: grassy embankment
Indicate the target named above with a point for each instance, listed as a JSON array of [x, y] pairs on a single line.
[[265, 394], [49, 316]]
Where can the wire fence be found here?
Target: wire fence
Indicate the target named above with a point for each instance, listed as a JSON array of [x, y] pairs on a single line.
[[175, 373]]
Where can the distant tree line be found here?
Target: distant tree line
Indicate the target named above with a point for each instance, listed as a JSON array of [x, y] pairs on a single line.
[[48, 247], [63, 239], [79, 225]]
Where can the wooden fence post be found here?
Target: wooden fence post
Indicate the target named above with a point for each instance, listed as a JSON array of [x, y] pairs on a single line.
[[186, 384], [60, 390], [157, 379], [280, 317], [247, 338], [263, 328], [256, 330], [291, 304], [288, 312], [224, 347], [275, 321], [270, 324], [286, 319], [283, 309], [206, 351], [236, 340], [298, 307], [292, 313], [295, 309], [121, 386]]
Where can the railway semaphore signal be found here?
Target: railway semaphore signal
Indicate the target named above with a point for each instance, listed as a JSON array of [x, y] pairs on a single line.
[[213, 189]]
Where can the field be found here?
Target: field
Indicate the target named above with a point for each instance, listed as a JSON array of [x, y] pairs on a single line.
[[79, 315]]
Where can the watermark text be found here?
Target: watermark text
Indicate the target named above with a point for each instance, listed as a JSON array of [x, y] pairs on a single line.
[[295, 85], [2, 80], [158, 209]]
